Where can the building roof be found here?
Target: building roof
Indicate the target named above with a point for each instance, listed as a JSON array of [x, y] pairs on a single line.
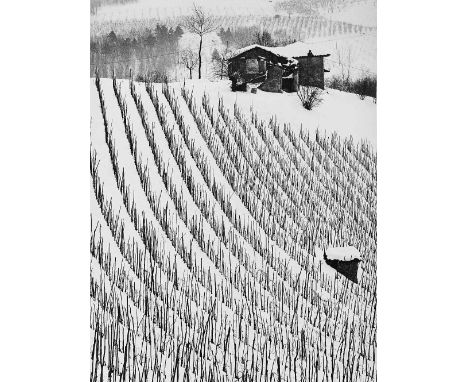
[[297, 49], [343, 253], [275, 51]]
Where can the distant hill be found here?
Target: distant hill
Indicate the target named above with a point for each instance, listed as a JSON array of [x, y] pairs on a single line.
[[359, 12]]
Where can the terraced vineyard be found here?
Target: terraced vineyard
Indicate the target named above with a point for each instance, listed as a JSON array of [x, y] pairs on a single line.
[[208, 226], [297, 27]]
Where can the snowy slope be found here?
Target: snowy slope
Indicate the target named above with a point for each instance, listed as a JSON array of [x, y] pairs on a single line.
[[208, 225], [175, 8], [363, 12], [356, 12], [342, 112]]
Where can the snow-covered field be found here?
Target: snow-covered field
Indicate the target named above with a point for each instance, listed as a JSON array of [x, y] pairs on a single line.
[[339, 112], [209, 223], [363, 12], [138, 16], [173, 8]]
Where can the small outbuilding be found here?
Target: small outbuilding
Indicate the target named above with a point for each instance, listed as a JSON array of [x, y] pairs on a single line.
[[345, 260], [276, 69]]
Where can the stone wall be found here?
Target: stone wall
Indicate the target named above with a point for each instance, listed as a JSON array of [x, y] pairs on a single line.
[[311, 71]]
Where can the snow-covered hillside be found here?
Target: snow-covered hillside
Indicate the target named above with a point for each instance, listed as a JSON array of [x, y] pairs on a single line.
[[339, 112], [363, 12], [209, 221], [173, 8]]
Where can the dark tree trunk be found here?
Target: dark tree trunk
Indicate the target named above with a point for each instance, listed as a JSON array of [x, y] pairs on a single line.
[[199, 57]]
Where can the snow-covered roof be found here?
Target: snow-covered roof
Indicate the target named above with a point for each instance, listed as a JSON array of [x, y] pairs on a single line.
[[298, 49], [275, 51], [342, 253]]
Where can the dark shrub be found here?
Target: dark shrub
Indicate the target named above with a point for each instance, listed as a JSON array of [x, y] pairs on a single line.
[[155, 76], [310, 96], [364, 86]]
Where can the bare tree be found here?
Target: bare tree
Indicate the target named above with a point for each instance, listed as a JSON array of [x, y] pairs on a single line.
[[220, 62], [189, 59], [289, 6], [200, 23], [345, 62], [264, 38]]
